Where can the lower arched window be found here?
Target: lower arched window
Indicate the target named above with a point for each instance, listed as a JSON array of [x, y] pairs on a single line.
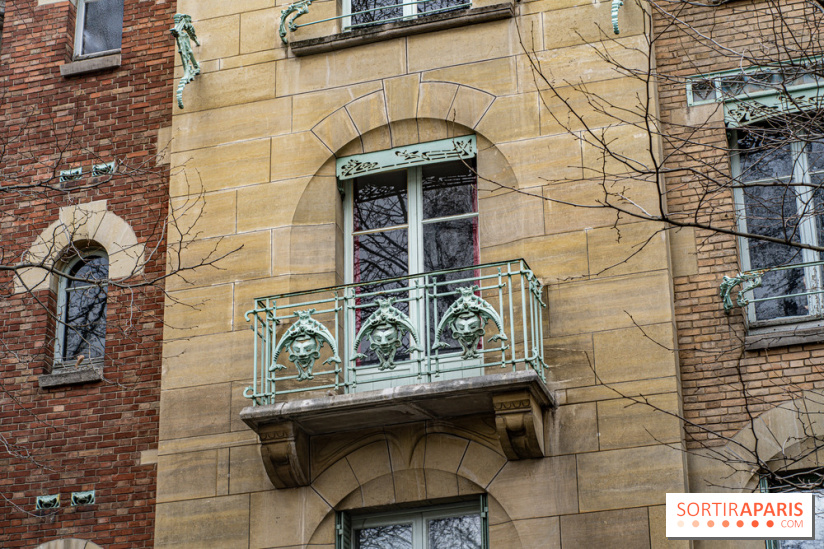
[[81, 308]]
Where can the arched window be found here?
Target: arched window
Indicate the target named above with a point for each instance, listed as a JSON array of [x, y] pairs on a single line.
[[81, 308]]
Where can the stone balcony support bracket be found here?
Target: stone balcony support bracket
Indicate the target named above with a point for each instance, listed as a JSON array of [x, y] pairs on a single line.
[[284, 448], [518, 401]]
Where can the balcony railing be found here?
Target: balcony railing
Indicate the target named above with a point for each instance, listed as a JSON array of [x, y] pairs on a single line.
[[301, 7], [415, 329]]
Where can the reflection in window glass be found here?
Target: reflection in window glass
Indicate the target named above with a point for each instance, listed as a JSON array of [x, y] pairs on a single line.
[[776, 172], [455, 533], [392, 536], [84, 309], [102, 26]]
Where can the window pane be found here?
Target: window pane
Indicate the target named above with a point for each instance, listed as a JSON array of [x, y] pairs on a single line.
[[772, 211], [455, 533], [377, 15], [380, 201], [438, 5], [815, 155], [819, 528], [447, 245], [381, 255], [102, 26], [393, 536], [763, 155], [84, 323], [449, 189]]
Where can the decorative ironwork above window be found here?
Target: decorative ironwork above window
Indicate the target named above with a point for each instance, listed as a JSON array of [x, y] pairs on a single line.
[[456, 148], [758, 93]]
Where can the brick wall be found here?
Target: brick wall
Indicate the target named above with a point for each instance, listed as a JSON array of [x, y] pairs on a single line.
[[722, 383], [87, 436]]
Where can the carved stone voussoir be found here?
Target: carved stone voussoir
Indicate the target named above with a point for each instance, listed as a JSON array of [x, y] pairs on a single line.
[[519, 420], [284, 448]]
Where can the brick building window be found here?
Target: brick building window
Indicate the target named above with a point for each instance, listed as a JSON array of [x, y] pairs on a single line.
[[99, 27], [81, 309], [777, 194]]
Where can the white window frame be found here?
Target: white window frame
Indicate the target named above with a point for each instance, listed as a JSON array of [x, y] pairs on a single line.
[[80, 19], [418, 518], [62, 309], [807, 233]]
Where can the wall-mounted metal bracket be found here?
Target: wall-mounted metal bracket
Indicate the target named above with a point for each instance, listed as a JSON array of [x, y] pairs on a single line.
[[47, 502], [83, 498], [298, 8], [183, 31]]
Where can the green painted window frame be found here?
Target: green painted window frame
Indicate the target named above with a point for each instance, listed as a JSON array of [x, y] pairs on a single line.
[[346, 522]]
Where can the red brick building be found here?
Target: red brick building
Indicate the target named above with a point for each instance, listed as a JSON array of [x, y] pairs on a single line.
[[83, 206]]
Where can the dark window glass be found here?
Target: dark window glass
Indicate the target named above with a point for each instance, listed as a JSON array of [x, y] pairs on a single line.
[[392, 536], [449, 189], [455, 533], [377, 16], [102, 26], [380, 201], [764, 154], [84, 315]]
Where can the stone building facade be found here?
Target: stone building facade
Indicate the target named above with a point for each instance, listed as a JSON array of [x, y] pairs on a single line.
[[312, 154], [84, 195]]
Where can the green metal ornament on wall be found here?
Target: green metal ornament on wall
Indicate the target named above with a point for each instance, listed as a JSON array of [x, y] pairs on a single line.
[[467, 318], [184, 33], [298, 9], [385, 329], [616, 5], [748, 281], [304, 341]]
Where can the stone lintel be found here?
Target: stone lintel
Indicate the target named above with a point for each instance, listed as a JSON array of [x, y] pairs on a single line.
[[420, 25], [517, 399]]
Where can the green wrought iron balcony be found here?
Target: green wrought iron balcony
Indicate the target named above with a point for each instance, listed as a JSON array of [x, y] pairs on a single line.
[[435, 326]]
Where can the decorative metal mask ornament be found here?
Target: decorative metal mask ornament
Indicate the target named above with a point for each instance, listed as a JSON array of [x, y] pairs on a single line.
[[467, 319], [304, 341], [83, 498], [47, 502], [183, 31], [385, 329]]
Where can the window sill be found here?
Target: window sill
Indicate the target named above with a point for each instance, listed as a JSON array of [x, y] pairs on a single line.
[[783, 336], [70, 375], [430, 23], [91, 64]]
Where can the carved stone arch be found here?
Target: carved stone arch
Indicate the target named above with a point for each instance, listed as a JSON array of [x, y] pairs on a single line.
[[72, 543], [82, 223], [785, 436], [318, 214]]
